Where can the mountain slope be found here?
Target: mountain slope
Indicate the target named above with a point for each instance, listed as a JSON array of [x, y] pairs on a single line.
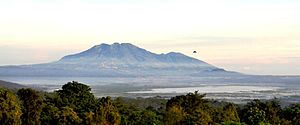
[[127, 53], [10, 85], [116, 60]]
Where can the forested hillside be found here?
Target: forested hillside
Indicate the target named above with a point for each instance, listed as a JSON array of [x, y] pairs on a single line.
[[74, 104]]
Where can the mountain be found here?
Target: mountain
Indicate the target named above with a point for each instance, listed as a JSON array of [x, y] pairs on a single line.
[[10, 85], [117, 60]]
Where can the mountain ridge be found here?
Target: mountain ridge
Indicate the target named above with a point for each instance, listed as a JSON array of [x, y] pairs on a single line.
[[118, 59], [124, 50], [10, 85]]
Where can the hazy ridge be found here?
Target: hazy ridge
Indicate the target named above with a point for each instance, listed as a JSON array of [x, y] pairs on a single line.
[[118, 60]]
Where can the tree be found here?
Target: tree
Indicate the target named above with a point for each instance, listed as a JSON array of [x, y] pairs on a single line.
[[89, 118], [196, 108], [106, 113], [199, 117], [78, 97], [265, 112], [255, 116], [292, 114], [230, 113], [133, 118], [273, 111], [149, 117], [189, 102], [67, 116], [231, 123], [50, 115], [31, 102], [123, 109], [10, 110], [254, 113], [174, 115]]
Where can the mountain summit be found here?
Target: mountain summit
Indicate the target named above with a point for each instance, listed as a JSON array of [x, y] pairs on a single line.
[[104, 51], [118, 59], [128, 54]]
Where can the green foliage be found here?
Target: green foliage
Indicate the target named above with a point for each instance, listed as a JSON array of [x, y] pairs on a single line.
[[255, 116], [150, 117], [231, 123], [10, 110], [199, 117], [141, 110], [89, 118], [31, 102], [253, 113], [175, 115], [192, 106], [230, 113], [49, 115], [106, 113], [76, 105], [189, 102], [267, 112], [67, 116], [77, 96], [292, 114], [273, 111]]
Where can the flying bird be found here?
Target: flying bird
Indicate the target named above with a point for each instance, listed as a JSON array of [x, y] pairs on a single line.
[[195, 52]]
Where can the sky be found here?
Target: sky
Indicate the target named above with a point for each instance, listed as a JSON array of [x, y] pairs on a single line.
[[248, 36]]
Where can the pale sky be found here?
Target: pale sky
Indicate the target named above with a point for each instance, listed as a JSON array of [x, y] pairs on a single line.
[[249, 36]]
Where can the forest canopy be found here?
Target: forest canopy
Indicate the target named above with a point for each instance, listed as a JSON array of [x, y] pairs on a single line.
[[75, 104]]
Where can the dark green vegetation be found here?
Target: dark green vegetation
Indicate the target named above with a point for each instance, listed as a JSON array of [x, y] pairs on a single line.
[[74, 104]]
